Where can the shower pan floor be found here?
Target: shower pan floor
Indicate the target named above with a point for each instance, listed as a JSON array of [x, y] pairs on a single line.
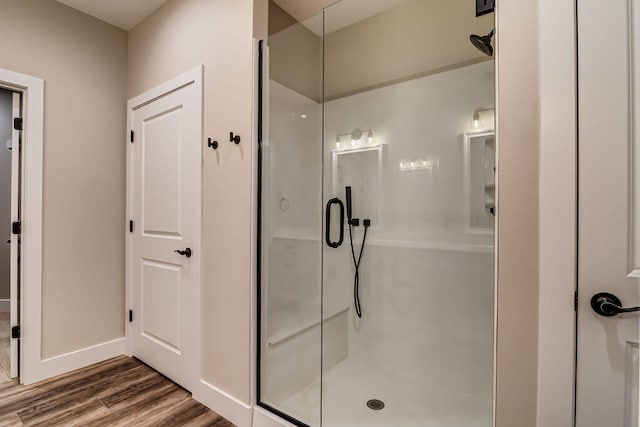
[[408, 402]]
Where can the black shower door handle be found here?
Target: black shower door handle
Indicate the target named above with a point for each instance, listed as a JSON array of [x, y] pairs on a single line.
[[330, 203]]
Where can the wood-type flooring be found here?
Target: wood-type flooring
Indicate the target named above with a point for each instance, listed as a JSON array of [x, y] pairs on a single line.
[[117, 392]]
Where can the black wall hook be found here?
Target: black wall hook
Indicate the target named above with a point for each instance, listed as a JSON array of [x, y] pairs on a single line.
[[212, 144], [234, 138]]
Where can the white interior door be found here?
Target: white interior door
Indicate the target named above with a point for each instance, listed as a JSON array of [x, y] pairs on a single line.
[[609, 230], [165, 187], [15, 238]]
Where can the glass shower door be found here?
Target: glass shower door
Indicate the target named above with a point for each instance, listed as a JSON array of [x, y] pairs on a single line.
[[290, 245], [408, 188]]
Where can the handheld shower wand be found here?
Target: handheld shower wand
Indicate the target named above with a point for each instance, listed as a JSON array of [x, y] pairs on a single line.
[[349, 210], [355, 222]]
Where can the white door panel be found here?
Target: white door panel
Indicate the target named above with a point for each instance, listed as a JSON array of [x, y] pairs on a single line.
[[161, 174], [15, 239], [165, 187], [607, 357], [161, 303]]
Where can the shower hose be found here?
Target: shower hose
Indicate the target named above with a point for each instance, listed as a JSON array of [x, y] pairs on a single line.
[[356, 263]]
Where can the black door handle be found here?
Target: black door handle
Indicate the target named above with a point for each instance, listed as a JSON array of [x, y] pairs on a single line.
[[609, 305], [186, 252], [330, 203]]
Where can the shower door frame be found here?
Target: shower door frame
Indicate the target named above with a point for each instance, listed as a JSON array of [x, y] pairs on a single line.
[[260, 266]]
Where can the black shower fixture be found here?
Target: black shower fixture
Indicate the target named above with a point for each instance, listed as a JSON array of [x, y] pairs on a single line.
[[352, 223], [485, 6], [483, 43]]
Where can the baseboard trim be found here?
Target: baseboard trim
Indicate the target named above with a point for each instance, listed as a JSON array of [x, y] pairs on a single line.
[[5, 305], [264, 418], [233, 409], [68, 362]]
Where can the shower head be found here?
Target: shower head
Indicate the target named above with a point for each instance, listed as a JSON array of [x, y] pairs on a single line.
[[483, 43]]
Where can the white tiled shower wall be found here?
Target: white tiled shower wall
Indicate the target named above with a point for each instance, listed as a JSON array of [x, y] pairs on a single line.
[[426, 284]]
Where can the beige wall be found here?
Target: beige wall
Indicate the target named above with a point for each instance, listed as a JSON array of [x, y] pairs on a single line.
[[260, 19], [381, 50], [83, 63], [389, 47], [302, 10], [5, 193], [279, 19], [216, 33], [295, 53], [295, 60], [518, 139]]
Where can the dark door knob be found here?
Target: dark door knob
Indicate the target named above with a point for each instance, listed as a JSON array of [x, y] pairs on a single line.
[[609, 305], [186, 252]]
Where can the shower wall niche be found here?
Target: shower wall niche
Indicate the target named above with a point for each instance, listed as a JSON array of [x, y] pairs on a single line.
[[420, 165]]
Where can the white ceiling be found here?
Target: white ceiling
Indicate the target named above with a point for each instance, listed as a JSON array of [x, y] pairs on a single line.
[[124, 14], [339, 15]]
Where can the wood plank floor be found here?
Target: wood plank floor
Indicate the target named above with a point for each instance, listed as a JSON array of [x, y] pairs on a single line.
[[117, 392], [5, 356]]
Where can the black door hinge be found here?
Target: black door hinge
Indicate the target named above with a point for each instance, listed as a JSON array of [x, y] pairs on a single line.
[[575, 302], [15, 331], [130, 315], [17, 123], [16, 228], [132, 136], [130, 226]]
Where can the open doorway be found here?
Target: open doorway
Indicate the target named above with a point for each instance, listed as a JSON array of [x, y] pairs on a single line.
[[10, 148]]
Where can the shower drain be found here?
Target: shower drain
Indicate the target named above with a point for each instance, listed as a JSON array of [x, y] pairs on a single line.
[[375, 404]]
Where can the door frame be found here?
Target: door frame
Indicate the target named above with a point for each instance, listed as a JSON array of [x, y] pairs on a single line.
[[192, 76], [14, 250], [32, 367], [558, 186]]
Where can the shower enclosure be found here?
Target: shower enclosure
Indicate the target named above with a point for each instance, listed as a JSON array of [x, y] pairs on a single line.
[[377, 212]]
